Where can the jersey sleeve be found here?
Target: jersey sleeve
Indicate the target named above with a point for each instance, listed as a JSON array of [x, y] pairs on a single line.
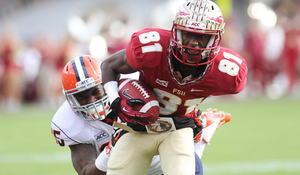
[[233, 68], [67, 128], [146, 47], [62, 139]]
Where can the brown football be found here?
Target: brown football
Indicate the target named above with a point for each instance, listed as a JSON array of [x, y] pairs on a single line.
[[135, 89]]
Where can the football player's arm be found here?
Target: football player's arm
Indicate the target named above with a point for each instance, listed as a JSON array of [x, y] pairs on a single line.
[[83, 159], [114, 65], [111, 69]]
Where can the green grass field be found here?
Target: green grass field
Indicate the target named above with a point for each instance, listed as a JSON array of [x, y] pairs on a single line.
[[262, 139]]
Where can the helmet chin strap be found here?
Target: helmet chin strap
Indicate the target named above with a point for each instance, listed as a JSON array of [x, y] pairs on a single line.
[[95, 111]]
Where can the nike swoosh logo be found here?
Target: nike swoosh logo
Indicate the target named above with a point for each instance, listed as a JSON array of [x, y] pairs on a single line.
[[124, 109], [196, 90], [126, 94]]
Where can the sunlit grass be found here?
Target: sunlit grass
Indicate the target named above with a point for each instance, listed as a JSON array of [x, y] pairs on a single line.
[[260, 130]]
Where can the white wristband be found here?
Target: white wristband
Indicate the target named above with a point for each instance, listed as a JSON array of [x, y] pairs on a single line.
[[112, 90]]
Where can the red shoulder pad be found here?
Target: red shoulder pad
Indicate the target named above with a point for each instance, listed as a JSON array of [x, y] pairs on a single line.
[[146, 48]]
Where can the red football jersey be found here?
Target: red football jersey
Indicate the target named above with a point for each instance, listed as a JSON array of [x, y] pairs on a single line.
[[147, 51]]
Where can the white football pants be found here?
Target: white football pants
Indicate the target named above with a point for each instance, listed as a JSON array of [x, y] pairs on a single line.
[[132, 155]]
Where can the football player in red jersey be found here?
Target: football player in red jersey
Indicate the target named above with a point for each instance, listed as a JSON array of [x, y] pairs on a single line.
[[184, 66], [84, 121]]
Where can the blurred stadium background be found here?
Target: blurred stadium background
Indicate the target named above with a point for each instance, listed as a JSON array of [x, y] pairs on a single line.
[[37, 38]]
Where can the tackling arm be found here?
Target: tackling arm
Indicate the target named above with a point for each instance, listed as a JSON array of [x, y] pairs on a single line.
[[83, 159], [114, 65]]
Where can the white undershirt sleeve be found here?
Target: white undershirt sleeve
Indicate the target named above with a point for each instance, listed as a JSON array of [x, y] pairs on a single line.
[[112, 90]]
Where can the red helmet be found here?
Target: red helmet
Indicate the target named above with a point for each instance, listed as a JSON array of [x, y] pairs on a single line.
[[200, 17], [79, 74]]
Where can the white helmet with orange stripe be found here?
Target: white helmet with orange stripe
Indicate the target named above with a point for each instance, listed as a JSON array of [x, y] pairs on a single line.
[[79, 76]]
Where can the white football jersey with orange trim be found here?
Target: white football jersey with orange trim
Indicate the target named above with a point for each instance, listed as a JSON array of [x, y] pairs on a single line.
[[69, 129]]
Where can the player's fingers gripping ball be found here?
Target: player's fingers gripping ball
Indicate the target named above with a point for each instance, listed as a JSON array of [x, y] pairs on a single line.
[[138, 104], [123, 108]]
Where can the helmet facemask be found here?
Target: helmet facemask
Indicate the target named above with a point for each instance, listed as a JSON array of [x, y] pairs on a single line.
[[93, 111]]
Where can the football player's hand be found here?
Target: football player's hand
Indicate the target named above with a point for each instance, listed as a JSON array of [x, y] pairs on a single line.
[[198, 126], [124, 109]]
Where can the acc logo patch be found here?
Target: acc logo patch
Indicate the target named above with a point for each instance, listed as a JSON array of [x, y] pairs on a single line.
[[101, 135]]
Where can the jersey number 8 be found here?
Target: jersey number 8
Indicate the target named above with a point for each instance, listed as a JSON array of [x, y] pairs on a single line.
[[229, 67], [150, 37]]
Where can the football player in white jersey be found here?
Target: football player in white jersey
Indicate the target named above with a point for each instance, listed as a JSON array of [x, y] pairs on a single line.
[[84, 121]]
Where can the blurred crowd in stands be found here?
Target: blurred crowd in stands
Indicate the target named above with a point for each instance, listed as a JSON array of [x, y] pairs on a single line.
[[30, 70], [272, 53]]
